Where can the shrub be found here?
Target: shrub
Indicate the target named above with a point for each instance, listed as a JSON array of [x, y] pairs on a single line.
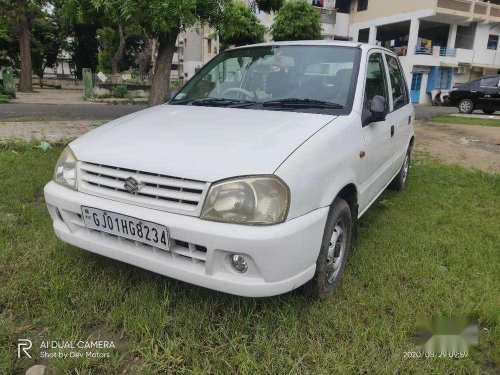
[[4, 98], [120, 91]]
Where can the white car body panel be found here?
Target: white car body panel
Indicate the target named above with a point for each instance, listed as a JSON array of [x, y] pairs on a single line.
[[315, 155]]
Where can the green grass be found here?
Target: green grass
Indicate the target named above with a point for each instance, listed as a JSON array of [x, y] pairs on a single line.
[[446, 119], [430, 250]]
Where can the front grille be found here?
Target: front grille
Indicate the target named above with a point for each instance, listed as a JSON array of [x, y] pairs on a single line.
[[158, 191]]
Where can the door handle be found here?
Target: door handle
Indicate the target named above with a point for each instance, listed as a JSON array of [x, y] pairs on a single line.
[[392, 131]]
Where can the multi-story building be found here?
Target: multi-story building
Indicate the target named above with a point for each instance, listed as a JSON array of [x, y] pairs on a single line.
[[440, 42], [197, 46]]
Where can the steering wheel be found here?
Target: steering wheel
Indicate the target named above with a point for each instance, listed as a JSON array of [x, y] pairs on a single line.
[[247, 93]]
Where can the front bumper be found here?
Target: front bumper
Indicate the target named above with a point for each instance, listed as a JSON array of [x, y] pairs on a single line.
[[280, 257]]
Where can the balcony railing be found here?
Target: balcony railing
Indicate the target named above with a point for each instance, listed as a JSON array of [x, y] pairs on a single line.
[[423, 51], [443, 51], [447, 52], [477, 10]]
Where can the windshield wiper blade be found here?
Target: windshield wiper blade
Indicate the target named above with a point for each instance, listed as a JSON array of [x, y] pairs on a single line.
[[220, 102], [296, 102]]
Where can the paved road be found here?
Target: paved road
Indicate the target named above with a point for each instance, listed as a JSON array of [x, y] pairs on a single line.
[[48, 112]]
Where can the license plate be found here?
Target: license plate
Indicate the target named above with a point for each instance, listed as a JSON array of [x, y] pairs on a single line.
[[126, 226]]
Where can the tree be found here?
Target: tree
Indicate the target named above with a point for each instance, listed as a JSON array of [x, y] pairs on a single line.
[[46, 43], [123, 25], [21, 14], [80, 21], [164, 20], [9, 47], [297, 21], [239, 26]]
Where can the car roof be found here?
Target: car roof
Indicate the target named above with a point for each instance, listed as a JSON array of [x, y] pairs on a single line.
[[364, 46]]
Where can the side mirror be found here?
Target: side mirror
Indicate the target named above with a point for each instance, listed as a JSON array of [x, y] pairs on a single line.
[[170, 95], [378, 108]]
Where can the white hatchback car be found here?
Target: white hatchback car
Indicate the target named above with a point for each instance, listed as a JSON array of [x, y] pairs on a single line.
[[251, 179]]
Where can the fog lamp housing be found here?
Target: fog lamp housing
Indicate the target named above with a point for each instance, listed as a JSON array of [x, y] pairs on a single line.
[[239, 263]]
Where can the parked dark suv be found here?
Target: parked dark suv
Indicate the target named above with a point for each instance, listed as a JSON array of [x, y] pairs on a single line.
[[483, 94]]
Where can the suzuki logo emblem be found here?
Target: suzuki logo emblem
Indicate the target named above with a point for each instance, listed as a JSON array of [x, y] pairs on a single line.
[[132, 185]]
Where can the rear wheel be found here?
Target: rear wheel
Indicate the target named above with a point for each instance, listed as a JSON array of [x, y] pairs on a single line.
[[401, 178], [488, 111], [334, 250], [466, 106]]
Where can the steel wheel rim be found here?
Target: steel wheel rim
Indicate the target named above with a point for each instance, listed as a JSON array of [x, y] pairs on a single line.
[[336, 251], [406, 168]]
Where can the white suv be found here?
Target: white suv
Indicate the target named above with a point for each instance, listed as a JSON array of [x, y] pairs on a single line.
[[251, 179]]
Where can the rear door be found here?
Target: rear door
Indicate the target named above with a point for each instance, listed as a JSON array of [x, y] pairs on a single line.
[[401, 112], [490, 94]]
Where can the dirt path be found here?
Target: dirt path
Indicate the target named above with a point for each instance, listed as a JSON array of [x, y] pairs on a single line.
[[50, 131], [467, 145], [51, 96]]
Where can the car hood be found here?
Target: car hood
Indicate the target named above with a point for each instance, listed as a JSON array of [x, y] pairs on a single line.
[[200, 143]]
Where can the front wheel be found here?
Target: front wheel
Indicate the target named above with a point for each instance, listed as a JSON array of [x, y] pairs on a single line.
[[334, 250], [466, 106], [488, 111]]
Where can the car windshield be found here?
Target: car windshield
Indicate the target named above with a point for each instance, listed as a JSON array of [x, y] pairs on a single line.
[[284, 77]]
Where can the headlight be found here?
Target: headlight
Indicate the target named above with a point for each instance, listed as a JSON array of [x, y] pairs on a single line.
[[65, 172], [247, 200]]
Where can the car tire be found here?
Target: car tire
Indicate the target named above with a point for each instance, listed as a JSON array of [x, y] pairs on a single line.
[[488, 111], [399, 182], [335, 247], [466, 106]]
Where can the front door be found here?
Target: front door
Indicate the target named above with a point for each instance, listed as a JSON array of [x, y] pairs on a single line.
[[416, 85], [378, 136]]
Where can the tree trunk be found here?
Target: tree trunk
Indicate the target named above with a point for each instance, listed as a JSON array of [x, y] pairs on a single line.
[[145, 58], [163, 66], [23, 32], [115, 60]]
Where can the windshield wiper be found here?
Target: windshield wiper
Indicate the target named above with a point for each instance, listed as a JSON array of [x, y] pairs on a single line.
[[220, 102], [296, 102]]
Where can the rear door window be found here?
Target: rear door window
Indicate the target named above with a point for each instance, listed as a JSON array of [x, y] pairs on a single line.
[[398, 86], [490, 82]]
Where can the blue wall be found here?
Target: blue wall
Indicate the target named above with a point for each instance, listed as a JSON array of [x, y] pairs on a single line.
[[439, 78]]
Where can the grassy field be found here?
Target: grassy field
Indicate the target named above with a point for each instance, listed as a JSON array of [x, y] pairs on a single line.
[[432, 250], [446, 119]]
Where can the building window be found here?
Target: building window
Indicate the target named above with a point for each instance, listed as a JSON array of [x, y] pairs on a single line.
[[362, 5], [466, 36], [209, 45], [363, 35], [493, 42]]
